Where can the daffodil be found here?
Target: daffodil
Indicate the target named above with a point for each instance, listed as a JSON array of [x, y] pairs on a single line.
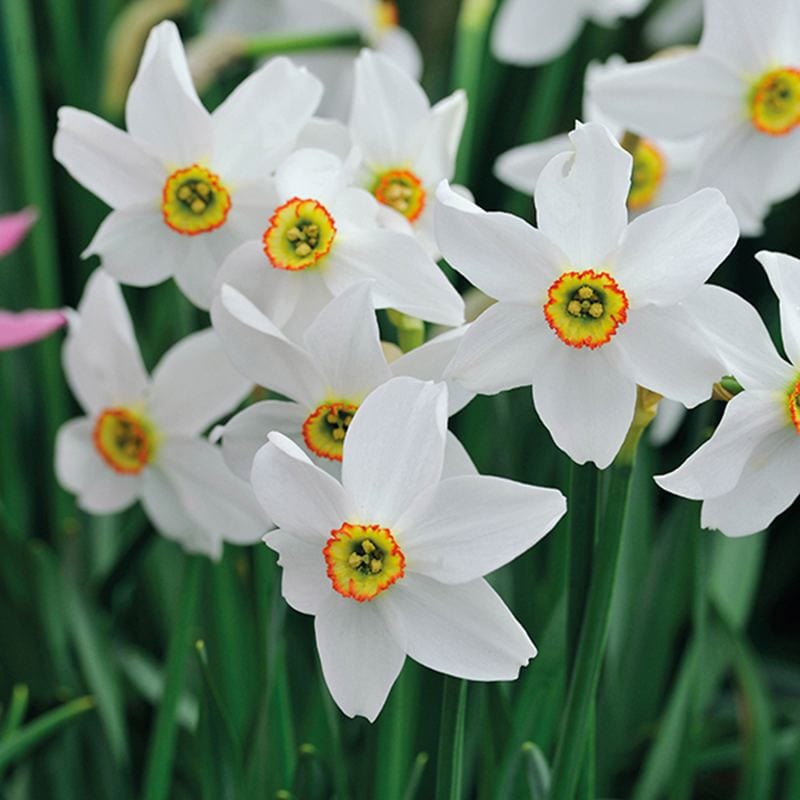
[[185, 185], [390, 562], [322, 236], [739, 90], [746, 473], [589, 306], [407, 147], [529, 32], [339, 363], [140, 438]]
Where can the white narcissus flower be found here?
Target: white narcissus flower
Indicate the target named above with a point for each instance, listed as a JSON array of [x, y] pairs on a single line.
[[589, 306], [746, 474], [675, 22], [390, 562], [140, 438], [407, 147], [529, 32], [739, 90], [663, 170], [185, 185], [321, 237], [340, 362]]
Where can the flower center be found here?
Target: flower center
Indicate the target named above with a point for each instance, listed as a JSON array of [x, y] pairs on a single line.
[[794, 406], [648, 173], [585, 308], [386, 15], [363, 560], [125, 440], [775, 101], [194, 201], [300, 233], [402, 190], [325, 428]]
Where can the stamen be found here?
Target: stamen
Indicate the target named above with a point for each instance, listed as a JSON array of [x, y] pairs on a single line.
[[403, 191], [325, 429], [194, 200], [301, 233]]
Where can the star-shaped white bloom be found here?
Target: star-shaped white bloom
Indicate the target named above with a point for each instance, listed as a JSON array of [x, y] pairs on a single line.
[[339, 363], [746, 474], [589, 306], [529, 32], [185, 185], [140, 438], [407, 147], [390, 561], [321, 237], [740, 91], [663, 170]]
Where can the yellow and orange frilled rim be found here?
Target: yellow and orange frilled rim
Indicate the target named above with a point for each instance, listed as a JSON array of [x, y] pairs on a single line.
[[649, 169], [325, 429], [194, 201], [774, 101], [363, 560], [301, 233], [794, 406], [401, 190], [125, 439], [585, 308]]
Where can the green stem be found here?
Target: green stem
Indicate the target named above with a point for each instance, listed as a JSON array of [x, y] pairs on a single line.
[[265, 46], [594, 630], [161, 751], [450, 766]]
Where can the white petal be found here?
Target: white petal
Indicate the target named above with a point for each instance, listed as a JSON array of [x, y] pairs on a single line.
[[107, 161], [394, 447], [585, 403], [529, 33], [671, 98], [464, 630], [399, 45], [501, 254], [163, 109], [736, 330], [466, 527], [101, 358], [457, 460], [210, 493], [296, 494], [345, 344], [669, 418], [768, 486], [76, 458], [663, 349], [247, 432], [310, 174], [784, 276], [136, 247], [499, 350], [714, 469], [437, 158], [389, 110], [669, 252], [360, 658], [109, 492], [581, 197], [194, 384], [521, 166], [405, 276], [201, 259], [326, 134], [262, 352], [305, 584]]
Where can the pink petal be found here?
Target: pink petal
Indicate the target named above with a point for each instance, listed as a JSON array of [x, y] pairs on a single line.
[[13, 228], [27, 326]]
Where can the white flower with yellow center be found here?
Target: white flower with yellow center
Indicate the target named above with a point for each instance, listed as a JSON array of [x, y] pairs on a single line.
[[407, 147], [140, 438], [663, 170], [529, 32], [339, 363], [589, 306], [390, 562], [185, 185], [321, 237], [746, 474], [740, 91]]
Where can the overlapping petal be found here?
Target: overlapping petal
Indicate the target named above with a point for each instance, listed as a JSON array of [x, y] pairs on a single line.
[[784, 276], [14, 227], [24, 327]]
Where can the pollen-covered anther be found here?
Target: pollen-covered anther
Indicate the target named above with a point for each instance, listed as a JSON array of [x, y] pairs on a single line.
[[125, 440], [194, 200], [774, 102], [300, 234], [585, 308], [649, 168], [794, 406], [325, 429], [363, 560], [401, 190]]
